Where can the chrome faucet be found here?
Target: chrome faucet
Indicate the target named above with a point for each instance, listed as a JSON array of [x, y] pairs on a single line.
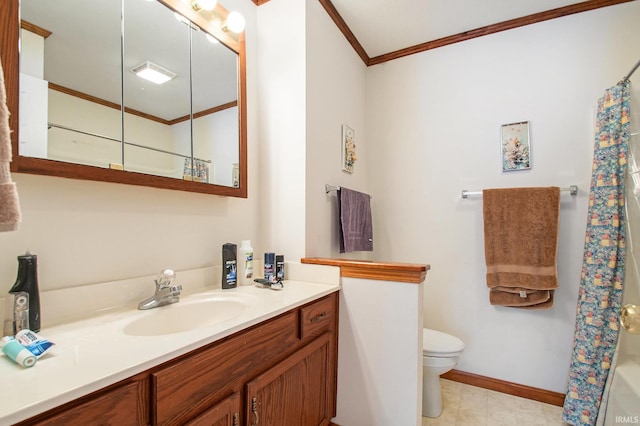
[[166, 293]]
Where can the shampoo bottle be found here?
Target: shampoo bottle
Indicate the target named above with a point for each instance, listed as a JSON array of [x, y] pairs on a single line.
[[245, 263], [229, 269], [24, 296]]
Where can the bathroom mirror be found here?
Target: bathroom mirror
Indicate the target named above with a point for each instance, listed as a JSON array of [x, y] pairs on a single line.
[[188, 133]]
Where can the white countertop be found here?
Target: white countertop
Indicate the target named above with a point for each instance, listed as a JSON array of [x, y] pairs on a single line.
[[92, 353]]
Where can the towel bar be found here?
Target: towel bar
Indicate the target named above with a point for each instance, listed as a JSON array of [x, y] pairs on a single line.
[[573, 190], [328, 188]]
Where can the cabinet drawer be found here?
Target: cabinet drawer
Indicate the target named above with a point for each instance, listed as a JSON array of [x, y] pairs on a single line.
[[317, 317], [186, 388], [123, 406]]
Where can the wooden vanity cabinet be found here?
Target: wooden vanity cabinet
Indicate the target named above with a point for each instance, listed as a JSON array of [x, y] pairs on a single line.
[[198, 380], [284, 367], [123, 404], [279, 372]]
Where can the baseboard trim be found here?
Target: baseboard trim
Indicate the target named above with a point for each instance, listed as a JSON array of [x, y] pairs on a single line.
[[542, 395]]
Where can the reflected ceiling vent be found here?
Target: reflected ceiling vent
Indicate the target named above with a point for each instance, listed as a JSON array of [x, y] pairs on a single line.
[[153, 72]]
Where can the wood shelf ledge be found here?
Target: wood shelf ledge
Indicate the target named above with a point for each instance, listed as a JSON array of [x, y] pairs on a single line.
[[374, 270]]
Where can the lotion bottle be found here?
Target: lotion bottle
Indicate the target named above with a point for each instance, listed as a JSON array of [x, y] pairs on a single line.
[[245, 263]]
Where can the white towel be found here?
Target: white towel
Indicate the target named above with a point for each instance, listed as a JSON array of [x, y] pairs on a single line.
[[9, 205]]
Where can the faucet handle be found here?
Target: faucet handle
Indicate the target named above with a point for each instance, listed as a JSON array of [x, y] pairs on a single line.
[[175, 290], [165, 278]]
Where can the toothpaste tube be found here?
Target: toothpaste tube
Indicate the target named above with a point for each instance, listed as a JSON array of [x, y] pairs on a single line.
[[35, 344], [14, 350]]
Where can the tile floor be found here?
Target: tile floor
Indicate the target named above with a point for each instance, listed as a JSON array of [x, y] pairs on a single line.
[[465, 405]]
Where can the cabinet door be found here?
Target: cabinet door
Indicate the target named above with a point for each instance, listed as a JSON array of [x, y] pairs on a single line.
[[224, 413], [295, 391]]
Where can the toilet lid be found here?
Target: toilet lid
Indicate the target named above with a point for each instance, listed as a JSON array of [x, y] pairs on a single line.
[[437, 342]]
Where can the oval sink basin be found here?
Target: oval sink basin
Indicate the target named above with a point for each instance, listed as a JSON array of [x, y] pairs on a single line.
[[186, 316]]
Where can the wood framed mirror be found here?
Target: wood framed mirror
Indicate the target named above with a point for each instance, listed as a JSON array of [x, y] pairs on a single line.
[[174, 140]]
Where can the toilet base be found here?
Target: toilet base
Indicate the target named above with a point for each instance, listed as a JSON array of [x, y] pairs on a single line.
[[431, 396]]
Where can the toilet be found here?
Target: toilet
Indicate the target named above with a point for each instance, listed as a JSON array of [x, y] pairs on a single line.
[[440, 352]]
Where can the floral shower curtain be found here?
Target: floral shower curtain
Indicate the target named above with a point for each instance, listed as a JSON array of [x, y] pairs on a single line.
[[600, 294]]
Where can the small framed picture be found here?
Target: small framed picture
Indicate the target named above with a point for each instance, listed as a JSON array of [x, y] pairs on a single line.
[[348, 148], [515, 146]]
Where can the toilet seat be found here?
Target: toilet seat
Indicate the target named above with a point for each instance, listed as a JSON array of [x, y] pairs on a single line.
[[439, 344]]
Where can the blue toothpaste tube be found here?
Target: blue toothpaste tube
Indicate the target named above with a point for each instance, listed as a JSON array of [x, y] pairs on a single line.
[[34, 343]]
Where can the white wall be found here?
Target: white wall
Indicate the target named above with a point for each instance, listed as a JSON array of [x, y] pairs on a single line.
[[86, 232], [311, 82], [336, 94], [32, 52], [219, 128], [281, 61], [433, 121], [379, 353], [80, 114]]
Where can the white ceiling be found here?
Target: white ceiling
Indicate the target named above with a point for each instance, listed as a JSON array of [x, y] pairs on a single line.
[[383, 26]]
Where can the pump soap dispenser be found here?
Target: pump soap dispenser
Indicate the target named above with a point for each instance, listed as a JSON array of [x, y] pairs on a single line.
[[24, 296]]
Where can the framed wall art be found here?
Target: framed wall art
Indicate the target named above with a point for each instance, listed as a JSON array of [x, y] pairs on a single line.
[[515, 146], [348, 148]]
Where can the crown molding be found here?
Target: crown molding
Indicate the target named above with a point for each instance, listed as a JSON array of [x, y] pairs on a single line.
[[535, 18]]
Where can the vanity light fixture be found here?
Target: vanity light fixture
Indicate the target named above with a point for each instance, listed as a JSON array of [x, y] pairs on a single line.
[[153, 72], [234, 22], [203, 4]]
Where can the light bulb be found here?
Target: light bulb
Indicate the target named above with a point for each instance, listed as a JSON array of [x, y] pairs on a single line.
[[206, 4], [235, 22]]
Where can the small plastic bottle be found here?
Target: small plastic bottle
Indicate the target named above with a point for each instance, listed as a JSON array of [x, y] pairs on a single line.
[[270, 267], [279, 267], [229, 266], [245, 263]]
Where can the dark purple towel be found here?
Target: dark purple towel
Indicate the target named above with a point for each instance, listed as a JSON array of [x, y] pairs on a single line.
[[356, 228]]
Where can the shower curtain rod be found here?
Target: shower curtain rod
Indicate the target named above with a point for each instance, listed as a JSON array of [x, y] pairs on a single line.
[[573, 190], [635, 67]]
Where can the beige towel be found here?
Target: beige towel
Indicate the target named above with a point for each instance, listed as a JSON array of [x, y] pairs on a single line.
[[521, 245], [536, 299], [9, 205]]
